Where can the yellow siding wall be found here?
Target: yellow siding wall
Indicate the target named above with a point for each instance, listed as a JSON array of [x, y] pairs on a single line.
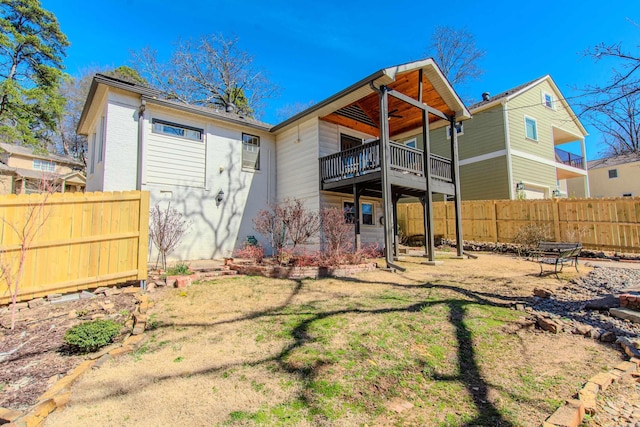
[[530, 104], [486, 180], [628, 181]]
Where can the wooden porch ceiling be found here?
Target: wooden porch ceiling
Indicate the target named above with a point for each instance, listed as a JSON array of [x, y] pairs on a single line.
[[403, 116]]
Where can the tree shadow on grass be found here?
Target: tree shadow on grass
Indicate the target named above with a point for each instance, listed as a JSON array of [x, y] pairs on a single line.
[[469, 373]]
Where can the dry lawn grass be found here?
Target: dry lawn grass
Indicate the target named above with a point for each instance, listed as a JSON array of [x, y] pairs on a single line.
[[353, 351]]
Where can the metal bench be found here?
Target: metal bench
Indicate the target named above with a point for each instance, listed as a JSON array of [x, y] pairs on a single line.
[[557, 254]]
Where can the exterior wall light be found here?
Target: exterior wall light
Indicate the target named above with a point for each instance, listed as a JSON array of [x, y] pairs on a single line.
[[520, 186], [219, 197]]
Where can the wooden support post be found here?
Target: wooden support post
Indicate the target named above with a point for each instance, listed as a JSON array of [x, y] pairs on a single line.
[[396, 240], [429, 245], [455, 175], [384, 168], [356, 206]]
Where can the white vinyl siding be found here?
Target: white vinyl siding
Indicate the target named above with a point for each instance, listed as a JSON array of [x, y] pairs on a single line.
[[175, 160], [297, 157]]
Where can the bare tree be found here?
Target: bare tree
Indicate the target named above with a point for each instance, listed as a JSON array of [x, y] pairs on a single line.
[[166, 229], [290, 110], [300, 223], [456, 53], [618, 121], [212, 71], [613, 107], [14, 257]]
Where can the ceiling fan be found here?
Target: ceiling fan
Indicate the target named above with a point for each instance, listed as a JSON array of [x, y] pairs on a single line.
[[391, 114]]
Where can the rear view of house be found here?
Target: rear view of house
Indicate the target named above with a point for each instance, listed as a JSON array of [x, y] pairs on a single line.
[[219, 168]]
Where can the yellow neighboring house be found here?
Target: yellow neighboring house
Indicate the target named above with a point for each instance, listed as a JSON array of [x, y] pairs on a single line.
[[615, 176], [22, 171]]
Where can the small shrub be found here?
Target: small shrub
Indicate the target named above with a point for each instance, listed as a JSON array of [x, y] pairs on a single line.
[[529, 236], [180, 269], [91, 336], [252, 252]]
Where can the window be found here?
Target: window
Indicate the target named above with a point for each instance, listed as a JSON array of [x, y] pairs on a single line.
[[547, 100], [367, 213], [250, 151], [44, 165], [459, 129], [173, 129], [101, 140], [531, 128], [613, 173], [410, 143], [349, 212], [348, 141]]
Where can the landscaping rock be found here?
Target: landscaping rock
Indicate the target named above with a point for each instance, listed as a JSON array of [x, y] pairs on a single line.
[[603, 304], [9, 415], [542, 293], [112, 291], [626, 313], [547, 324], [569, 415], [608, 337], [36, 302]]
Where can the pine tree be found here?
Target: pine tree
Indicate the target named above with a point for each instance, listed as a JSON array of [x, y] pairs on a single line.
[[32, 48]]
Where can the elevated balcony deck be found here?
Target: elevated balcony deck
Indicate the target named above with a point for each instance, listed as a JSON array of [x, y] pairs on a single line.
[[361, 165], [569, 159]]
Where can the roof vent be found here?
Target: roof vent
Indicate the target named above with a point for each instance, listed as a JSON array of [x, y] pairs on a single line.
[[230, 107], [486, 96]]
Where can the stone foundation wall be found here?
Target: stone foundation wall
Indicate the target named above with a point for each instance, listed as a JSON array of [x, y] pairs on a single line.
[[630, 300]]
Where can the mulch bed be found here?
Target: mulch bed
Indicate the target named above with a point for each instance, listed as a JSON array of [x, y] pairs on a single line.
[[33, 355]]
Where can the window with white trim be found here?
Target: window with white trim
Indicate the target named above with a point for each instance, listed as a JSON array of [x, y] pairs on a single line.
[[531, 128], [44, 165], [250, 151], [548, 101], [348, 208], [367, 213], [613, 173], [459, 129], [177, 130]]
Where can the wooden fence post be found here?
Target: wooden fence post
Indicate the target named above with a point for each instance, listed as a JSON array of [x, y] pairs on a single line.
[[143, 233], [494, 217], [555, 207]]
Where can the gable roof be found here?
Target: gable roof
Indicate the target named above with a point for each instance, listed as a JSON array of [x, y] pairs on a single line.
[[614, 161], [520, 89], [436, 87], [28, 152], [154, 96]]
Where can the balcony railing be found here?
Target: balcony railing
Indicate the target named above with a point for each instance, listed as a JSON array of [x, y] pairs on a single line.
[[569, 159], [364, 159]]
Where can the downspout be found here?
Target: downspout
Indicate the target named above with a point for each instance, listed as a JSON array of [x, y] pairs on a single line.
[[141, 119], [507, 144]]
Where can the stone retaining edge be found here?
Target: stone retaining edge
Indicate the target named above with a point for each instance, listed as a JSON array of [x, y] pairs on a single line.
[[59, 394], [573, 411]]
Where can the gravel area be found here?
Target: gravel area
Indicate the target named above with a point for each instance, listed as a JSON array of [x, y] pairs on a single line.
[[572, 302]]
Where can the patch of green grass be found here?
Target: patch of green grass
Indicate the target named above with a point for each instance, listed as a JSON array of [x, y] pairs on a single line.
[[178, 359], [137, 355]]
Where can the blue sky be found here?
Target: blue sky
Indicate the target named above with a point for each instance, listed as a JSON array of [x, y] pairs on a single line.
[[313, 49]]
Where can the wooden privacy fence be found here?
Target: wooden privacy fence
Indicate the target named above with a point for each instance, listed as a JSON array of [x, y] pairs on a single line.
[[600, 224], [86, 240]]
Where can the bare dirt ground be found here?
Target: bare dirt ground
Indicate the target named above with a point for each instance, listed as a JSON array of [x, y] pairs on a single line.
[[33, 355], [430, 346]]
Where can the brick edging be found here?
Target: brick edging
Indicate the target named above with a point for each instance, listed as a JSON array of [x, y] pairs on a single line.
[[573, 411], [59, 394]]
